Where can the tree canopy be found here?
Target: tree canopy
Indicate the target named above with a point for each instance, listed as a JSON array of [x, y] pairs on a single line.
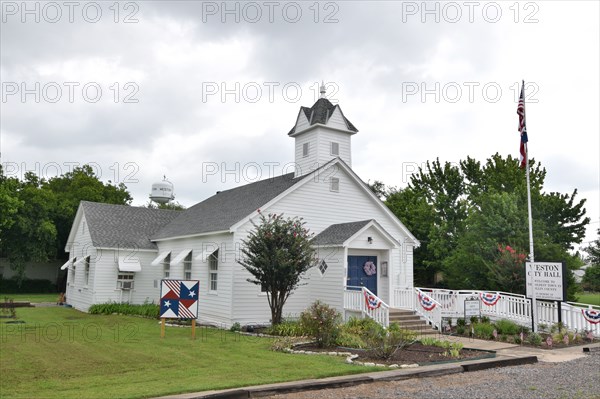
[[277, 253], [37, 214], [466, 214]]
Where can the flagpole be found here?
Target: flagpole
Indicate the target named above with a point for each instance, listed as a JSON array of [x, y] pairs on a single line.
[[531, 251]]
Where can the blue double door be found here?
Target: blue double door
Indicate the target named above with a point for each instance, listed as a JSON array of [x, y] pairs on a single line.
[[361, 276]]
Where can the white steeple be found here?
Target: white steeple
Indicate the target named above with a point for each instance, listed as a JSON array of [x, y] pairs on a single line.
[[321, 133]]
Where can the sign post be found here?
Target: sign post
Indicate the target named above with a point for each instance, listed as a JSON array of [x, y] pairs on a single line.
[[546, 281], [472, 308], [179, 300]]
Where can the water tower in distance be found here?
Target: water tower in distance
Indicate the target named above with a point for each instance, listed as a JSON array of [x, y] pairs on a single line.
[[162, 191]]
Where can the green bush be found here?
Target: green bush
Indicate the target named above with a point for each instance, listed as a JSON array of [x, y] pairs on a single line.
[[460, 330], [483, 330], [148, 310], [321, 322], [287, 328], [507, 327], [534, 338], [27, 286], [383, 343], [348, 340], [461, 322], [485, 319], [235, 327]]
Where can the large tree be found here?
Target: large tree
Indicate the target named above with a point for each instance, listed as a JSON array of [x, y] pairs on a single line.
[[277, 253], [37, 214], [463, 212]]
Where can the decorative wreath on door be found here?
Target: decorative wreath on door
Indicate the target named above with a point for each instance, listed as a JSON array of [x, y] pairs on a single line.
[[370, 268]]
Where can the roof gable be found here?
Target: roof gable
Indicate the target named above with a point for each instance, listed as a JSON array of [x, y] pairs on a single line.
[[123, 226], [320, 113], [224, 209], [338, 234]]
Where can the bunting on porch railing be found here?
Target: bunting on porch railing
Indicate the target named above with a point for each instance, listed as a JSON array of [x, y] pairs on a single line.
[[592, 316], [490, 298], [426, 302], [372, 301]]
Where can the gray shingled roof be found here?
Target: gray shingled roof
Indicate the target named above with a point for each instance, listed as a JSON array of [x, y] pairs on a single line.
[[321, 112], [223, 210], [337, 234], [114, 226]]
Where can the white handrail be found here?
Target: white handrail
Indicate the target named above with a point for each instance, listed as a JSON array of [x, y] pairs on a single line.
[[355, 300], [510, 306]]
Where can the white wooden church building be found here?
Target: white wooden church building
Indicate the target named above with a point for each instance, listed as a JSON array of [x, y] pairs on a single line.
[[120, 253]]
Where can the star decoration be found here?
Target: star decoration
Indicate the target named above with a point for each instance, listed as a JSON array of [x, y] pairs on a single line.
[[192, 294], [167, 303]]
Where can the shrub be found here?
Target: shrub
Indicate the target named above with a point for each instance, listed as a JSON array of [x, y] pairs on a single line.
[[236, 327], [474, 319], [384, 343], [460, 330], [534, 339], [507, 327], [148, 310], [485, 319], [361, 326], [287, 328], [348, 340], [484, 330], [321, 322], [461, 322]]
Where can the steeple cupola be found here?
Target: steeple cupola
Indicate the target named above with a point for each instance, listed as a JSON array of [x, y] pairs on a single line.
[[321, 133]]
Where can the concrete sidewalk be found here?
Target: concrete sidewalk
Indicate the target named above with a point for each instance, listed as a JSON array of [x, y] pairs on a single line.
[[506, 355]]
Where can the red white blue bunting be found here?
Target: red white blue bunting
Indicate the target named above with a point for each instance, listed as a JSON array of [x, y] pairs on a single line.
[[372, 301], [592, 316], [426, 302], [490, 298]]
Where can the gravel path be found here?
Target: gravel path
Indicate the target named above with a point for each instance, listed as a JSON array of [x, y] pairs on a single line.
[[578, 378]]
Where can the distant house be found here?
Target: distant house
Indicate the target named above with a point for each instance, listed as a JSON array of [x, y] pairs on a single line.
[[120, 253]]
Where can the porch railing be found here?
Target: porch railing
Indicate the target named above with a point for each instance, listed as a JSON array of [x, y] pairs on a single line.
[[510, 306], [355, 299]]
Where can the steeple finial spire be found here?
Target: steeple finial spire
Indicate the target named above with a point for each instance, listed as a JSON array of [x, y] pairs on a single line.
[[323, 90]]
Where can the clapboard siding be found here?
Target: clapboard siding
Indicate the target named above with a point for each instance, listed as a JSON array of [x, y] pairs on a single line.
[[302, 122], [326, 137], [214, 307], [309, 163], [79, 294], [321, 208], [336, 120]]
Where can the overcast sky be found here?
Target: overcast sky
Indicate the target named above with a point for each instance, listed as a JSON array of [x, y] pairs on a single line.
[[191, 89]]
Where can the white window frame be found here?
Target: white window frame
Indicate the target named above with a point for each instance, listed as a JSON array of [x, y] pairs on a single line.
[[86, 268], [305, 150], [187, 267], [166, 264], [322, 266], [335, 148], [125, 277], [73, 270], [213, 272], [334, 184]]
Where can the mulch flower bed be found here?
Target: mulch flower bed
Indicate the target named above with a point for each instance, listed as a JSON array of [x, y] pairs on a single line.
[[415, 354]]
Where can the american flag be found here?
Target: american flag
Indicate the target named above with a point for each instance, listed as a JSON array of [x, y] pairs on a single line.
[[522, 127], [179, 299]]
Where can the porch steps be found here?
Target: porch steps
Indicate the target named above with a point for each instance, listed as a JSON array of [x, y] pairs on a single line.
[[408, 320]]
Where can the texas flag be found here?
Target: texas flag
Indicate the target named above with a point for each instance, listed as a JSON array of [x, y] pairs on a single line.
[[179, 299]]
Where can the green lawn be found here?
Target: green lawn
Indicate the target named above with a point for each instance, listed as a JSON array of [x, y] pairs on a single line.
[[34, 298], [592, 298], [62, 353]]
